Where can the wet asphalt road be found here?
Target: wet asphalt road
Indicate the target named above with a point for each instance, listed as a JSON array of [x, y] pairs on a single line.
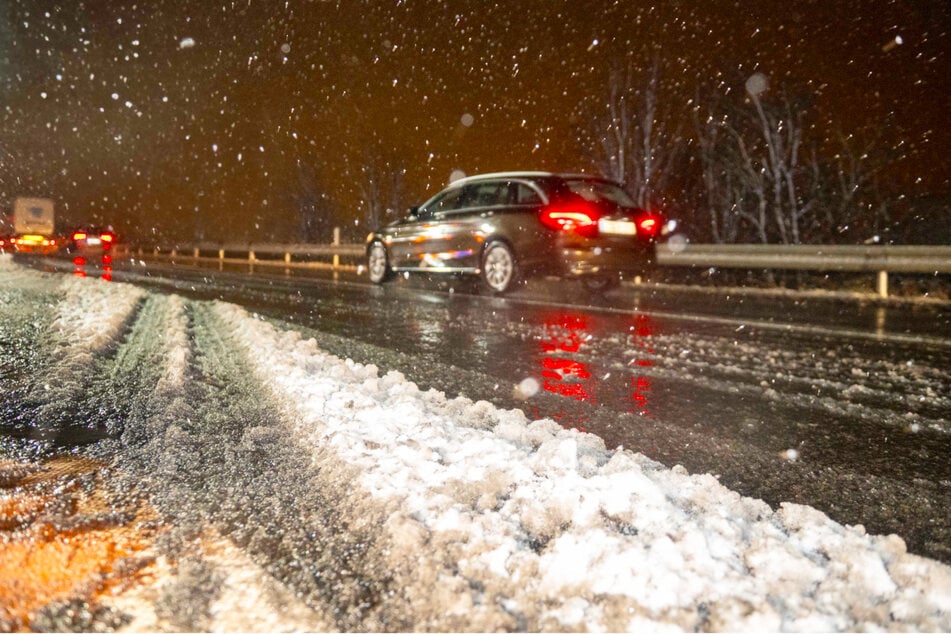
[[842, 405]]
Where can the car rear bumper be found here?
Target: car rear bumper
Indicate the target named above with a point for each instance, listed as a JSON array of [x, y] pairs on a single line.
[[605, 260]]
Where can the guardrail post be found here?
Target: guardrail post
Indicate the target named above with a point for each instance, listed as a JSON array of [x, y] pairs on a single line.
[[195, 253], [250, 256], [336, 243], [882, 284], [174, 253], [221, 254], [287, 258]]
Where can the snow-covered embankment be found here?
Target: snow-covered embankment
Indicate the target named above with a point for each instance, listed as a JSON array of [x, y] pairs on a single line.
[[494, 521]]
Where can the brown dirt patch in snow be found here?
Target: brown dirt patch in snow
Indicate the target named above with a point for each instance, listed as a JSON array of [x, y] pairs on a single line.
[[63, 545]]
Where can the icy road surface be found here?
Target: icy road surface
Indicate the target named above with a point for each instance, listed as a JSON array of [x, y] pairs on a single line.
[[271, 485]]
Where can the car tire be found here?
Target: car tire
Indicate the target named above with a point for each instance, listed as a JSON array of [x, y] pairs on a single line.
[[499, 270], [378, 263], [600, 284]]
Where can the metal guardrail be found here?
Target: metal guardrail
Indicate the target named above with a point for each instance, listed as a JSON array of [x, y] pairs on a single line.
[[303, 249], [284, 255], [878, 259], [898, 259]]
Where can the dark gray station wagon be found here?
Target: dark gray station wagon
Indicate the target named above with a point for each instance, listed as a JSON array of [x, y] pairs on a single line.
[[514, 225]]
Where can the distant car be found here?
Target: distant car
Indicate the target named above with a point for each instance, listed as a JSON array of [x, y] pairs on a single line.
[[34, 243], [510, 226], [91, 249], [91, 240]]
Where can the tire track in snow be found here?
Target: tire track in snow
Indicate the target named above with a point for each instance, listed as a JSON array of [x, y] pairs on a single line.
[[205, 442], [82, 336], [27, 308], [133, 357], [196, 437]]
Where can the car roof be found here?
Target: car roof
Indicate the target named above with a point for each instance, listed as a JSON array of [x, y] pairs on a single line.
[[528, 175]]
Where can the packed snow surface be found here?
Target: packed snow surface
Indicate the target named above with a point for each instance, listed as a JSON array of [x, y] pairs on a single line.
[[487, 520]]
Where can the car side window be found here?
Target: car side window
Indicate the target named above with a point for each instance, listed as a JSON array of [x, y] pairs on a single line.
[[525, 195], [489, 194], [448, 201]]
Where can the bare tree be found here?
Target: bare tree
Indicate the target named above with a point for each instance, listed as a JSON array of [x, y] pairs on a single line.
[[778, 163], [851, 203], [382, 185], [760, 184], [629, 140], [725, 187], [314, 223]]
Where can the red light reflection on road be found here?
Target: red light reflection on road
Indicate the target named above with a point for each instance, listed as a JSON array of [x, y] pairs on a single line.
[[565, 333], [105, 271], [562, 373], [555, 372], [641, 331], [568, 364]]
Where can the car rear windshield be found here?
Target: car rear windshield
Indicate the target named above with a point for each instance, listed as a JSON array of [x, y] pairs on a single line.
[[600, 192]]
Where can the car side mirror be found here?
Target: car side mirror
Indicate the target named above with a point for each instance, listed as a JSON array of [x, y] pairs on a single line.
[[412, 213]]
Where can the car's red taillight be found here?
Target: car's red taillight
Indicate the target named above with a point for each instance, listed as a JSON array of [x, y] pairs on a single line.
[[649, 225], [577, 219]]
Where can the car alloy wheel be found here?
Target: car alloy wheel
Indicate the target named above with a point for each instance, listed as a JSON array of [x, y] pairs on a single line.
[[377, 265], [498, 267]]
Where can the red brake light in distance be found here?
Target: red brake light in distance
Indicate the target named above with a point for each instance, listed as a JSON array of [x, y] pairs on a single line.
[[106, 237], [648, 225], [79, 235]]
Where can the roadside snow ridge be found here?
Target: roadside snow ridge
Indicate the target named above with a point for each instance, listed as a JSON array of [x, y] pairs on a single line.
[[512, 518]]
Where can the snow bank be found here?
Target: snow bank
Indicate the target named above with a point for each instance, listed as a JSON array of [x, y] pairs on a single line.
[[495, 521]]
